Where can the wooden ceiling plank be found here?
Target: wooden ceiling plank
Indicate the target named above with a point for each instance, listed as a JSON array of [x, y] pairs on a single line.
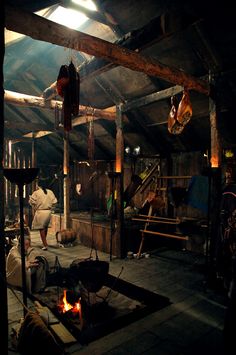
[[112, 23], [42, 29], [138, 40]]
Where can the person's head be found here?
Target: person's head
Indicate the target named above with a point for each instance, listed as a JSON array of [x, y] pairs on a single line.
[[43, 184], [27, 242]]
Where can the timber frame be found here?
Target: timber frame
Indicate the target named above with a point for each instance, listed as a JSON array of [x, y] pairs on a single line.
[[45, 30]]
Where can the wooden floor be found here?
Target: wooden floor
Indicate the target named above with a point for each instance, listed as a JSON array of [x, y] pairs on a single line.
[[191, 324]]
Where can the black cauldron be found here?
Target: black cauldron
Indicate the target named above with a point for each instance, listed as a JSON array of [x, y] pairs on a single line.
[[91, 273]]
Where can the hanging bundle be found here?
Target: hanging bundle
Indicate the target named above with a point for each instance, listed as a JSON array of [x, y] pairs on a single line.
[[68, 87], [174, 127], [180, 114]]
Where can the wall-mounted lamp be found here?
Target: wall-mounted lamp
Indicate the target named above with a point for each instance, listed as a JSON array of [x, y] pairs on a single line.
[[136, 150], [127, 150]]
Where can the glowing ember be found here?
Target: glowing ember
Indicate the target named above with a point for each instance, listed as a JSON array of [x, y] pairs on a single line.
[[66, 306]]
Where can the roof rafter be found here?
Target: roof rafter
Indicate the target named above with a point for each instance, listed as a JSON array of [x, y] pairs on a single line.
[[42, 29]]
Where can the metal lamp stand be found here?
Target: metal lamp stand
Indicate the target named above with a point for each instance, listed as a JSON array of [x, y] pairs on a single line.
[[20, 177]]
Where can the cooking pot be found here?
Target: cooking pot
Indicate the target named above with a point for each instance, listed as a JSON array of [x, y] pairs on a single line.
[[91, 273]]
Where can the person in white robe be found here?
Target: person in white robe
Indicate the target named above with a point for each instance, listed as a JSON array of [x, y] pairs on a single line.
[[42, 201], [36, 267]]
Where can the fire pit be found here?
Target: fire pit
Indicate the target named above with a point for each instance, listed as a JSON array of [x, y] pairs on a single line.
[[89, 315]]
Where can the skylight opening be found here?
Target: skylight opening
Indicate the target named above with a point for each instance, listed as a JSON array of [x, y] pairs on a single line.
[[89, 4], [72, 18]]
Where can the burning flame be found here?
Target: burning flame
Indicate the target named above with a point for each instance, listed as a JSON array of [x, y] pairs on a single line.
[[214, 161], [66, 306]]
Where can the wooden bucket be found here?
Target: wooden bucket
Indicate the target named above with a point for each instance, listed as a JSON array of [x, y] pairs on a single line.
[[66, 236]]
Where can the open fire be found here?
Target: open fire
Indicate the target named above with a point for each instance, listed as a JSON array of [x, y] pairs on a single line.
[[91, 315], [66, 306]]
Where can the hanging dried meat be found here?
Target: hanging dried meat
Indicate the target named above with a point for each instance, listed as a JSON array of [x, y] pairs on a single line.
[[185, 111], [68, 87], [174, 127], [62, 80]]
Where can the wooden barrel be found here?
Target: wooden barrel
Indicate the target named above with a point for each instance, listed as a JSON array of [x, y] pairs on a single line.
[[66, 236]]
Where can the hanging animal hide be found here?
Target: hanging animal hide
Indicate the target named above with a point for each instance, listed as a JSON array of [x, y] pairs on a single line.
[[174, 126], [68, 87], [185, 111]]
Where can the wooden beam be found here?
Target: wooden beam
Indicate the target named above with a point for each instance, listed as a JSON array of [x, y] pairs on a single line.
[[3, 283], [148, 99], [39, 102], [165, 234], [42, 29], [138, 40]]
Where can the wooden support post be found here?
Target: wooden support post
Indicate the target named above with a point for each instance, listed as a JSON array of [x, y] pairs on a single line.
[[214, 218], [119, 182], [3, 284], [34, 159], [216, 149], [214, 177], [66, 173], [142, 233]]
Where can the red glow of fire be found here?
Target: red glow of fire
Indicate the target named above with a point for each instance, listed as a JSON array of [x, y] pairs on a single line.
[[66, 306]]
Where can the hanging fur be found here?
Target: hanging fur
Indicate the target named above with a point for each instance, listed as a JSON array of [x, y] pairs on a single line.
[[68, 87]]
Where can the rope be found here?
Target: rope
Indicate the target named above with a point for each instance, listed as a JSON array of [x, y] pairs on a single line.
[[18, 299]]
